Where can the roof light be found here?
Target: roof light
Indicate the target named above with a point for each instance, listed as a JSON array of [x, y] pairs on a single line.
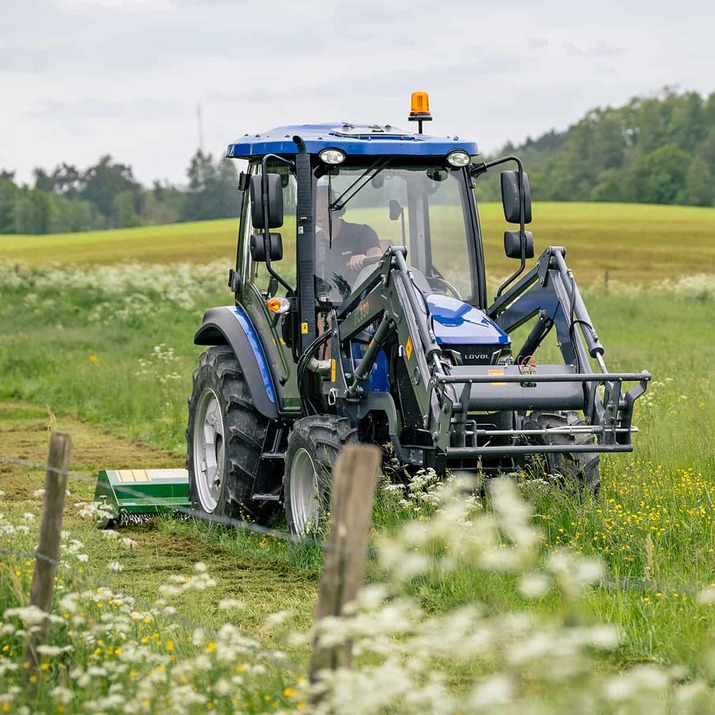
[[420, 106], [458, 158], [332, 156]]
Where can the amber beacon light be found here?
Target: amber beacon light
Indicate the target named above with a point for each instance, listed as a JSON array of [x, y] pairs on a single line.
[[419, 110]]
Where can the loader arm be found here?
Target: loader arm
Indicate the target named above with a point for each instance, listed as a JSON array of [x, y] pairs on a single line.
[[389, 295], [550, 290]]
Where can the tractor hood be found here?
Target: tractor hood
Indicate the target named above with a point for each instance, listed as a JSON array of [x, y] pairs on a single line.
[[459, 323]]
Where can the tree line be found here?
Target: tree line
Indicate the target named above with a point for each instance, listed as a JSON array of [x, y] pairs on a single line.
[[107, 195], [658, 150]]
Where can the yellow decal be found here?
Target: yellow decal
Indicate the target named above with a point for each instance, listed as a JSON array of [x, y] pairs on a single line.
[[496, 371], [304, 328], [332, 370], [408, 348]]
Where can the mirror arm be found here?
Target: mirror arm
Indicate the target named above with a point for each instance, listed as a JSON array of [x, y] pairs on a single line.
[[264, 206], [481, 169]]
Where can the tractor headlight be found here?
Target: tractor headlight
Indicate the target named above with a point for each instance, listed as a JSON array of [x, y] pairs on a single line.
[[458, 158], [332, 156]]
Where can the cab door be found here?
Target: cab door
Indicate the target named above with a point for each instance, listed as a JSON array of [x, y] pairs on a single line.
[[258, 287]]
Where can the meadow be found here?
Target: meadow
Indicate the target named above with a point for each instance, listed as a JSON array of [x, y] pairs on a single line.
[[613, 595]]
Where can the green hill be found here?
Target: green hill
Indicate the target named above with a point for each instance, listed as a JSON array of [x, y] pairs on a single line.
[[634, 243]]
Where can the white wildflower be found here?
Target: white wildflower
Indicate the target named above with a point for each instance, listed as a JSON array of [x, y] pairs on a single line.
[[62, 695], [32, 617], [491, 693], [534, 585], [632, 683], [53, 650]]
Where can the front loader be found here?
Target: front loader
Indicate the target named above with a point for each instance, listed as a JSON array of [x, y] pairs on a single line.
[[330, 342]]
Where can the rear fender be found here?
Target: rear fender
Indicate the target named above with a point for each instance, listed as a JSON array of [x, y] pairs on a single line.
[[229, 325]]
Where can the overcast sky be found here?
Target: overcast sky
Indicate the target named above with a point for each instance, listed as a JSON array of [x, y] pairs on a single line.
[[81, 78]]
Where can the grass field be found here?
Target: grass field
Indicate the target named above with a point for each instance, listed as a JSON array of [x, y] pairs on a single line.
[[108, 350], [634, 243]]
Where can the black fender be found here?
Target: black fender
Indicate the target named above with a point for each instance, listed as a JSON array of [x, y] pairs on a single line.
[[230, 325]]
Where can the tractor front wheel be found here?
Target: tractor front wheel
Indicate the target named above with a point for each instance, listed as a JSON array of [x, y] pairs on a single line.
[[313, 446], [574, 468], [225, 439]]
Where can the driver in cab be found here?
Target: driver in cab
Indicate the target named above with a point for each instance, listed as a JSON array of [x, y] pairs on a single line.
[[342, 247]]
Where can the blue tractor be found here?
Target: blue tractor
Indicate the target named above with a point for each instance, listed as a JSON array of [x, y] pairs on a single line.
[[361, 314]]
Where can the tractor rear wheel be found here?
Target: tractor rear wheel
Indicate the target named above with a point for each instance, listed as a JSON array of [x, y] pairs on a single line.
[[313, 446], [225, 436], [576, 468]]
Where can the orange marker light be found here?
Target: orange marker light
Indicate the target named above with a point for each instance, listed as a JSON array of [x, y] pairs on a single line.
[[420, 104], [277, 305]]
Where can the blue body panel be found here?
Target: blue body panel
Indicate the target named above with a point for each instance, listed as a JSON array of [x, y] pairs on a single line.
[[356, 142], [379, 378], [255, 344], [457, 322]]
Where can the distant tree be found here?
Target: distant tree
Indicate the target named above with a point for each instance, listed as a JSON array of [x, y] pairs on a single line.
[[212, 190], [43, 181], [125, 213], [102, 183], [8, 197], [698, 189], [606, 156], [659, 176], [688, 121], [162, 204], [32, 212], [706, 150], [67, 180], [68, 215], [610, 186]]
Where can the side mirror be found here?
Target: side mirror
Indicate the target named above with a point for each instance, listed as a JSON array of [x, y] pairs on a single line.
[[275, 201], [512, 244], [258, 246], [395, 209], [510, 196]]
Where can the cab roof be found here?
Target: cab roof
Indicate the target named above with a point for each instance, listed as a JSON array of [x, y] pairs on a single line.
[[353, 139]]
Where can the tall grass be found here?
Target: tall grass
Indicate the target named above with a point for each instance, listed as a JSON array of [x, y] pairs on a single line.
[[113, 346]]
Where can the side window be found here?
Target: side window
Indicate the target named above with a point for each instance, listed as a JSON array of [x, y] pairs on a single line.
[[259, 275]]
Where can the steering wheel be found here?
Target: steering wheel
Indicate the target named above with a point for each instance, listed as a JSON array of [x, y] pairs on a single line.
[[444, 282]]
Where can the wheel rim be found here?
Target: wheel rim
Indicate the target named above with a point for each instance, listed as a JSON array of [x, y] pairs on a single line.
[[304, 493], [208, 443]]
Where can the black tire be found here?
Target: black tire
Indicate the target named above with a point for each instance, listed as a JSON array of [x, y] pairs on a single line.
[[313, 446], [574, 468], [225, 437]]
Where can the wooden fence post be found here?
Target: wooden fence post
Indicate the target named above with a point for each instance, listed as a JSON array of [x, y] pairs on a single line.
[[353, 489], [48, 548]]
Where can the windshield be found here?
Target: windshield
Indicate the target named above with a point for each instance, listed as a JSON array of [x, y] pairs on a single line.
[[360, 211]]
